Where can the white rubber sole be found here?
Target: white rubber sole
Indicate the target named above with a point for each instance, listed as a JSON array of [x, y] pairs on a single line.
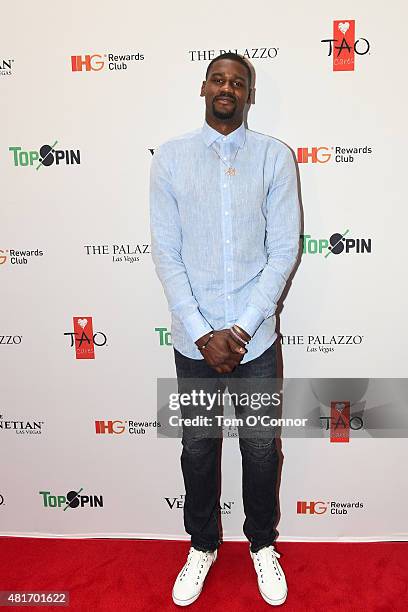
[[188, 602], [274, 602]]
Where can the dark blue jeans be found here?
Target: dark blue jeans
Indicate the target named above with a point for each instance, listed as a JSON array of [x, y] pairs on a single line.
[[200, 458]]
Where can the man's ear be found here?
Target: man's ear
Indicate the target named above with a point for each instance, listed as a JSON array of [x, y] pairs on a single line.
[[249, 96], [202, 92]]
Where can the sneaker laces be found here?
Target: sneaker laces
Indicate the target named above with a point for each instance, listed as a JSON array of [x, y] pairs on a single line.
[[194, 565], [266, 557]]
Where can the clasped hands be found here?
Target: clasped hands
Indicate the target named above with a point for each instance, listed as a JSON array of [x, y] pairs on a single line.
[[224, 351]]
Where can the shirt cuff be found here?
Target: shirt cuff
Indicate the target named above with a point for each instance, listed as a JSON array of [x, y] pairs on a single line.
[[250, 320], [196, 326]]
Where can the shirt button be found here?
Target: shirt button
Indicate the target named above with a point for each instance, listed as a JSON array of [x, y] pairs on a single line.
[[224, 158], [224, 185], [224, 139], [229, 297], [228, 269], [227, 241], [226, 212]]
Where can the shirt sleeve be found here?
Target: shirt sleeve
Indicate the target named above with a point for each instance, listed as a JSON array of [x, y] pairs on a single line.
[[166, 233], [282, 243]]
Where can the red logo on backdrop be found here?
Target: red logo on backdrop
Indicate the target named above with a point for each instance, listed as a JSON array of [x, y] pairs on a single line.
[[84, 338], [340, 422], [313, 507], [84, 345], [87, 62], [315, 155], [343, 47], [109, 427], [347, 29]]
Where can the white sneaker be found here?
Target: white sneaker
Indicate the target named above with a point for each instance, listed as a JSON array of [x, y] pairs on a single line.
[[189, 583], [271, 578]]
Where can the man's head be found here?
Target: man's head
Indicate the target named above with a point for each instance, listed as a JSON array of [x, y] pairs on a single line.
[[227, 88]]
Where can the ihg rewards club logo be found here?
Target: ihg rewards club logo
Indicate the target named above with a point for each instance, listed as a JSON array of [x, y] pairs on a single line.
[[84, 339], [19, 257], [344, 47], [336, 244], [130, 427], [316, 508], [337, 154], [46, 155], [96, 62], [72, 499]]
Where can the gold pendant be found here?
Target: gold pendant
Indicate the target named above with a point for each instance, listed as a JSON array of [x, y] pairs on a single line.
[[230, 171]]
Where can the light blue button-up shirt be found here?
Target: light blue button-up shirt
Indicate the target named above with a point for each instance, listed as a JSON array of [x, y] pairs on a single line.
[[223, 245]]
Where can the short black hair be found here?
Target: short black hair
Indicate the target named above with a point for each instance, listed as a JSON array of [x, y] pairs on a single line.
[[236, 58]]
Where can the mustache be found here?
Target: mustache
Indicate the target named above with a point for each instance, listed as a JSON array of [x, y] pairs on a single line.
[[225, 96]]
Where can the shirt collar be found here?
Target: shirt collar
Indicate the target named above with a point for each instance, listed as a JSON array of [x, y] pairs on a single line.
[[236, 138]]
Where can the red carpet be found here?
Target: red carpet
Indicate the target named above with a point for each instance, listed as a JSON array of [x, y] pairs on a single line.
[[138, 575]]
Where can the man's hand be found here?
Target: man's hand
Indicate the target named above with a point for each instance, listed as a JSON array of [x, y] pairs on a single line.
[[223, 353]]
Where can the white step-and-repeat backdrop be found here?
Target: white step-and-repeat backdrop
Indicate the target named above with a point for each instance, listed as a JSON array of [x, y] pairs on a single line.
[[88, 91]]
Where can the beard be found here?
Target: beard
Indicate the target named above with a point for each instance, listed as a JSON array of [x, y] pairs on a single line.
[[224, 113]]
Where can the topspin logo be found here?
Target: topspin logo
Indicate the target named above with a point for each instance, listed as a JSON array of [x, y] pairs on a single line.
[[343, 46], [72, 499], [164, 336], [47, 155], [336, 244]]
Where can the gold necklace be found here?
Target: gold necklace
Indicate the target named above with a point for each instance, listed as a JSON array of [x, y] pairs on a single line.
[[231, 171]]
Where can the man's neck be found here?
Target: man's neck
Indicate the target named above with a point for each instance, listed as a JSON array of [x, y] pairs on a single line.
[[224, 127]]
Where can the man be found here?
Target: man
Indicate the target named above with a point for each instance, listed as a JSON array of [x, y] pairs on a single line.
[[225, 236]]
